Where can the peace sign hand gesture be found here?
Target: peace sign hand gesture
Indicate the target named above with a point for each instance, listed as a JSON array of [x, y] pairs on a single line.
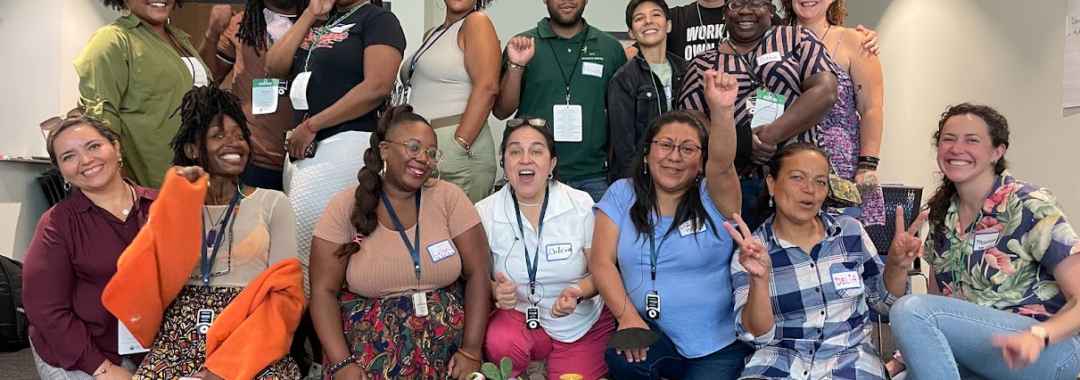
[[906, 247], [752, 254]]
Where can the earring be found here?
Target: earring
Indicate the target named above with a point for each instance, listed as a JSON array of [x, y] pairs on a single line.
[[700, 175], [551, 176], [383, 169], [770, 201], [67, 186], [121, 162]]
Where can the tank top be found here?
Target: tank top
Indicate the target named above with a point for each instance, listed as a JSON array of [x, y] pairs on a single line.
[[440, 84]]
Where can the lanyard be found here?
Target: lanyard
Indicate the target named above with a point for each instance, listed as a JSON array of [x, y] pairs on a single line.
[[414, 251], [325, 28], [533, 263], [577, 60], [749, 68], [208, 262], [427, 44], [700, 21], [655, 253]]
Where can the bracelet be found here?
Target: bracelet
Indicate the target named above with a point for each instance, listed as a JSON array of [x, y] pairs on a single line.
[[307, 125], [869, 160], [342, 364], [867, 166], [469, 356], [516, 66], [467, 146], [103, 370]]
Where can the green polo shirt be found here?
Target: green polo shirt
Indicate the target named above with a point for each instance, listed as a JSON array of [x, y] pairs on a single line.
[[543, 86], [134, 81]]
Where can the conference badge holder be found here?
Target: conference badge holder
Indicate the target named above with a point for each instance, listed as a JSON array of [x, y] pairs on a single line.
[[419, 303], [532, 318], [652, 305], [203, 319]]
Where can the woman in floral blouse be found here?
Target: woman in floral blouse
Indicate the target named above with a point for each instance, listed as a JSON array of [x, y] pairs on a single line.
[[1005, 259]]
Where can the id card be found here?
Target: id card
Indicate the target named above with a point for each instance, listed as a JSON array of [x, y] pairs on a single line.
[[298, 92], [126, 343], [567, 122], [985, 240], [264, 96], [440, 251], [845, 280], [767, 108], [419, 303], [198, 73]]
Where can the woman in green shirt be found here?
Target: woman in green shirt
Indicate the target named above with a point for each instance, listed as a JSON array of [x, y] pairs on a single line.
[[132, 75]]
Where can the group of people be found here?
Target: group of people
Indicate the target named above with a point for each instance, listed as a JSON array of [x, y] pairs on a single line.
[[693, 170]]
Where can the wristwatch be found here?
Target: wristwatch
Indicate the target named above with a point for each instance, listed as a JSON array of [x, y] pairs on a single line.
[[1039, 332]]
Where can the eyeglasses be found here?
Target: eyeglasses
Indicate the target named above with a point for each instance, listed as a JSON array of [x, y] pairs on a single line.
[[414, 150], [739, 4], [533, 121], [686, 150]]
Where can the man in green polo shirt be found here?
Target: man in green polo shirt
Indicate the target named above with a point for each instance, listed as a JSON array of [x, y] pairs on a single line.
[[559, 71]]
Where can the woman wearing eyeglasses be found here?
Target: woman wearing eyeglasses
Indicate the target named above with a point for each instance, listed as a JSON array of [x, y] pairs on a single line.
[[660, 256], [246, 231], [73, 255], [540, 233], [778, 67], [414, 259]]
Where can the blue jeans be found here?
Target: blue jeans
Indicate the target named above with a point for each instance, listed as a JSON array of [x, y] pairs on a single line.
[[947, 338], [595, 186], [664, 360]]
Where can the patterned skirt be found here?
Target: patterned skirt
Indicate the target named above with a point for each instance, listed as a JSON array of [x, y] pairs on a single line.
[[179, 350], [390, 342]]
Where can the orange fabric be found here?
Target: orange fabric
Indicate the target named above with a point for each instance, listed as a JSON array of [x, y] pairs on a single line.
[[257, 327], [153, 269]]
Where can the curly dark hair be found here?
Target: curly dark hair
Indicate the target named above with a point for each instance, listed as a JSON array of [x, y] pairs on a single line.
[[835, 15], [202, 107], [997, 128], [69, 123], [483, 4], [252, 30], [645, 205], [119, 4]]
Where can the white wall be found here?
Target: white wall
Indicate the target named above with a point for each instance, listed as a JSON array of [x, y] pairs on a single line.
[[1002, 53]]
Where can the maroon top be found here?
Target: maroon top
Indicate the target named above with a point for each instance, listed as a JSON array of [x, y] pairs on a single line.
[[70, 260]]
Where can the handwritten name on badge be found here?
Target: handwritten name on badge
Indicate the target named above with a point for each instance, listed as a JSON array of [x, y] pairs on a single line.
[[559, 252], [440, 251], [986, 240], [846, 280]]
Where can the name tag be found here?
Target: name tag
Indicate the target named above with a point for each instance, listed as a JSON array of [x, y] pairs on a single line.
[[768, 107], [567, 122], [771, 57], [559, 252], [298, 92], [198, 73], [592, 69], [126, 343], [688, 228], [264, 96], [440, 251], [846, 280], [986, 240]]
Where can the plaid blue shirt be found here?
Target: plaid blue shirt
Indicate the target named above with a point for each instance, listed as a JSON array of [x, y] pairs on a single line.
[[819, 332]]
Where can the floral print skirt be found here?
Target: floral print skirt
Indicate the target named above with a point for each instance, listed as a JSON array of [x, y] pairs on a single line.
[[179, 350], [390, 342]]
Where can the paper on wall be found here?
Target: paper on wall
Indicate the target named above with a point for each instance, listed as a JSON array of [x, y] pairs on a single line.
[[1072, 55]]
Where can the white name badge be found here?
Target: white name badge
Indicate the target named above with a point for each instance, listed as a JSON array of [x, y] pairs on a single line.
[[264, 96], [126, 343], [440, 251], [667, 91], [771, 57], [567, 122], [688, 228], [985, 240], [846, 280], [198, 73], [592, 69], [298, 93], [767, 108], [559, 252]]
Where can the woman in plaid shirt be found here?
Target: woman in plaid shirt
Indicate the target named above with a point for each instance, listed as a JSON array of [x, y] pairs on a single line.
[[805, 280]]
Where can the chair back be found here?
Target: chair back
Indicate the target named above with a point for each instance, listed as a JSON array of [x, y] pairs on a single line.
[[910, 198]]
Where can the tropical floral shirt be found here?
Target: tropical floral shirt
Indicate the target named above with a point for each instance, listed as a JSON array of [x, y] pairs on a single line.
[[1006, 259]]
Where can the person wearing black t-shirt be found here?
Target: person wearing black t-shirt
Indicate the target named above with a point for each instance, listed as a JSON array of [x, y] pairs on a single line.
[[341, 59]]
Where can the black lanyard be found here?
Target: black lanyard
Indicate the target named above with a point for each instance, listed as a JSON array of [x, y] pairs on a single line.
[[655, 252], [414, 251], [427, 44], [749, 68], [208, 262], [533, 263], [577, 60]]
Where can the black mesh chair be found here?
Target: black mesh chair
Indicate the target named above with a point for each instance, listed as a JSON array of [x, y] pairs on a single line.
[[910, 198], [52, 185]]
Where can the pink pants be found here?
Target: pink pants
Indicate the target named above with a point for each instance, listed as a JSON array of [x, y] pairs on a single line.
[[508, 337]]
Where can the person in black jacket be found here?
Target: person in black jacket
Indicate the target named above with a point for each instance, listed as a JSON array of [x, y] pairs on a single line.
[[645, 87]]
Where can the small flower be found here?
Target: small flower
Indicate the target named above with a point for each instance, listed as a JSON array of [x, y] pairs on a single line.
[[999, 260], [989, 224], [1033, 310], [999, 197]]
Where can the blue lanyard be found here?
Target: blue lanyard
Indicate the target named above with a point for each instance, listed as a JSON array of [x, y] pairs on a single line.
[[655, 253], [531, 263], [414, 251], [208, 262]]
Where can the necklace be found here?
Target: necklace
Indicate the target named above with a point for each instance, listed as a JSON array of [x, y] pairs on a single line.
[[528, 204], [133, 200], [211, 236]]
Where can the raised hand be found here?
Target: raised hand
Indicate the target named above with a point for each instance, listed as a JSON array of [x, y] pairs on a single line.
[[721, 90], [220, 15], [567, 301], [752, 254], [190, 173], [504, 292], [520, 50], [906, 247], [320, 8]]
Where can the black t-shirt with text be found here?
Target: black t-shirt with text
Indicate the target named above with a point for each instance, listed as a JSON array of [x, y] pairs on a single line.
[[693, 32]]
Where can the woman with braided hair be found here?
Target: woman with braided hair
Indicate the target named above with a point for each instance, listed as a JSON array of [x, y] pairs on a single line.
[[415, 260], [246, 230]]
